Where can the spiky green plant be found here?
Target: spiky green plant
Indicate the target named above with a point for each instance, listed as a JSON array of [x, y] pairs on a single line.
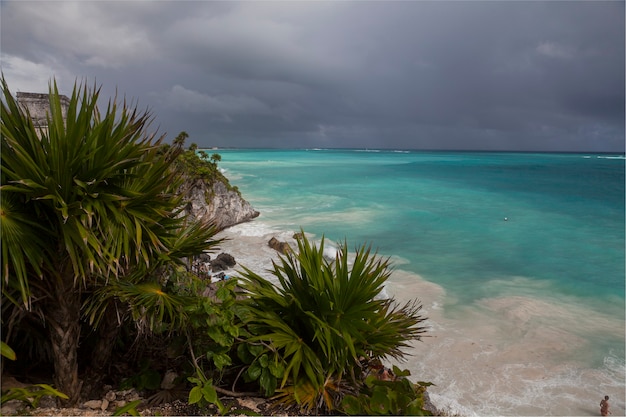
[[324, 315], [86, 203]]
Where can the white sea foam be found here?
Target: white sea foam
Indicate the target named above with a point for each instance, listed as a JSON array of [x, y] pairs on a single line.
[[518, 356], [330, 252]]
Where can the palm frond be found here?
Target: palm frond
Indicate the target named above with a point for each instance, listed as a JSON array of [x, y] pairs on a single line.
[[324, 315]]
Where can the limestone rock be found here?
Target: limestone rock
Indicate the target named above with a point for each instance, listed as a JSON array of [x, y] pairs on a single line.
[[251, 403], [110, 396], [93, 404], [216, 203], [10, 408], [281, 247]]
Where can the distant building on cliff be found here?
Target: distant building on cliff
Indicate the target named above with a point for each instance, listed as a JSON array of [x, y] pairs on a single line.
[[38, 106]]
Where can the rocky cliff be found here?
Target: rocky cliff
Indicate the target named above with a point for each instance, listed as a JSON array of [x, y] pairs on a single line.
[[216, 202]]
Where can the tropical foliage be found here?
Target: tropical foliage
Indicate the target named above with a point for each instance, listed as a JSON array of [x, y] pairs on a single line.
[[96, 255], [396, 397], [90, 221], [323, 319], [195, 163], [31, 395]]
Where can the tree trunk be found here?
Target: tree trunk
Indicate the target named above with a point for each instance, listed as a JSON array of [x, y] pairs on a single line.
[[63, 319], [108, 331]]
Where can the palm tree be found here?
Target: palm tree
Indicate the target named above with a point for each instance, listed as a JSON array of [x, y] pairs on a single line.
[[324, 317], [88, 204]]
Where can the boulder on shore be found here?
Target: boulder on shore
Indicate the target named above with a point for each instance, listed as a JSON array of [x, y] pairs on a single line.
[[222, 262], [281, 247]]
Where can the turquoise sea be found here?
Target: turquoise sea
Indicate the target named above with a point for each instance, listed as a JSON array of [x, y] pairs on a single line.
[[518, 259]]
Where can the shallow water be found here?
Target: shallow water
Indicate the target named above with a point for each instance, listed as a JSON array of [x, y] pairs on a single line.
[[526, 314]]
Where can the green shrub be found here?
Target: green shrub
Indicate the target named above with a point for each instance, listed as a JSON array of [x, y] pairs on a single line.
[[398, 397], [266, 368], [197, 164], [322, 317], [204, 393]]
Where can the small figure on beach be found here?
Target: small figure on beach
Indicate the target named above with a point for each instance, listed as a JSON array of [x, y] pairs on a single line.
[[604, 406]]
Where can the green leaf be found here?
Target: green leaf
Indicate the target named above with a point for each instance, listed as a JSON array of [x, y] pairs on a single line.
[[380, 402], [277, 369], [219, 337], [244, 354], [351, 406], [267, 382], [6, 351], [49, 390], [193, 380], [400, 373], [195, 395], [209, 393], [130, 408], [264, 361], [254, 371], [221, 360], [255, 349]]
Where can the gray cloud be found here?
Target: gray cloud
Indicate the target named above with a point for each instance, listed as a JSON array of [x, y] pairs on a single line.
[[443, 75]]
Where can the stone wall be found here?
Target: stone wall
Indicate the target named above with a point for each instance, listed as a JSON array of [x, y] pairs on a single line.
[[38, 106]]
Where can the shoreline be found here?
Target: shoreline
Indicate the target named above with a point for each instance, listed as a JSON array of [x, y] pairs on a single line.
[[498, 356]]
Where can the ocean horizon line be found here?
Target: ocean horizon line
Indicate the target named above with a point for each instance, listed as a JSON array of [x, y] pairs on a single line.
[[413, 150]]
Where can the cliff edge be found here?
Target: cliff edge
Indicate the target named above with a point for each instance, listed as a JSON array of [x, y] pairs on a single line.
[[215, 201]]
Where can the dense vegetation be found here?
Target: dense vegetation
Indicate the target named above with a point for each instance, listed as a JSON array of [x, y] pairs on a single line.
[[195, 163], [95, 259]]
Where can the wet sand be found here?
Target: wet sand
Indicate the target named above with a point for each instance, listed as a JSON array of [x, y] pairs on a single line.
[[511, 355]]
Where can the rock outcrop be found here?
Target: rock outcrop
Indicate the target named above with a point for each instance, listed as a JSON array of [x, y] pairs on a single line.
[[280, 247], [223, 262], [217, 203]]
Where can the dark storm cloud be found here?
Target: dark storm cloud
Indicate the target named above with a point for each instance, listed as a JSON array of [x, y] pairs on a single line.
[[443, 75]]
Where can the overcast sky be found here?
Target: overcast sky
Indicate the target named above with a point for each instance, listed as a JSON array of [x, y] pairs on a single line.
[[494, 75]]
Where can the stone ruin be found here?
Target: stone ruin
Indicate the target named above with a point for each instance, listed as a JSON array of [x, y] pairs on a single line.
[[38, 106]]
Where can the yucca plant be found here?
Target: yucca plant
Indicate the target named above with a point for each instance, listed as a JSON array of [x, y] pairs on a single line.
[[87, 203], [326, 315]]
